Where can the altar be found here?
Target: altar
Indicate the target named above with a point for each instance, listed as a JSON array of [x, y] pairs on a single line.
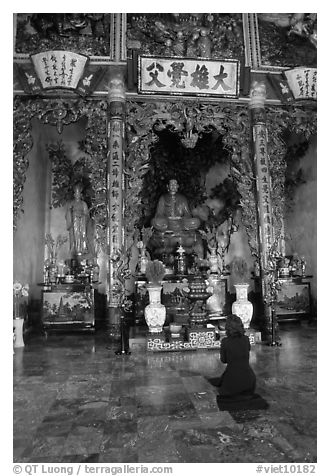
[[177, 305], [178, 332]]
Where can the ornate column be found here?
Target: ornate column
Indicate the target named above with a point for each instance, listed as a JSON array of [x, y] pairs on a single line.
[[263, 191], [115, 160], [118, 37]]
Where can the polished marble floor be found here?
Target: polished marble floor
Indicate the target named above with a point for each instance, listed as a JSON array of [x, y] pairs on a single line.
[[76, 401]]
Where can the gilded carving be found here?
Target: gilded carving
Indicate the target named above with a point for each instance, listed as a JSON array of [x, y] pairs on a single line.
[[230, 121], [85, 33], [279, 120], [208, 35]]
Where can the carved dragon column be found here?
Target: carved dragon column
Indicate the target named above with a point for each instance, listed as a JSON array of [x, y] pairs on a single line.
[[115, 160], [263, 186]]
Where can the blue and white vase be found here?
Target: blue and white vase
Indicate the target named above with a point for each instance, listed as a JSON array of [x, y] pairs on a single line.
[[242, 307], [155, 311]]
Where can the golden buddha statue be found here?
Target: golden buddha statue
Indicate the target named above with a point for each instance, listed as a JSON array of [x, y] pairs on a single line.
[[173, 212], [173, 222]]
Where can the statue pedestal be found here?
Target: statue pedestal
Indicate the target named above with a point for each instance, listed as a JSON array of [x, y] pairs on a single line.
[[168, 241], [202, 338]]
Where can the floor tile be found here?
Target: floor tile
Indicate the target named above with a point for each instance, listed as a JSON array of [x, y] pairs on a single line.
[[75, 401]]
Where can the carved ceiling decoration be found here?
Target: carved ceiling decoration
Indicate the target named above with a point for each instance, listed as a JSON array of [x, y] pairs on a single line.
[[287, 39], [57, 114], [95, 145], [208, 35], [84, 33]]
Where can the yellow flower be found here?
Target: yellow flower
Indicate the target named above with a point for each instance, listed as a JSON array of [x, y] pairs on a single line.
[[17, 287], [25, 290], [20, 290]]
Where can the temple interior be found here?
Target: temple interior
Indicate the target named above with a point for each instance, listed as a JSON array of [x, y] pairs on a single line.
[[164, 181]]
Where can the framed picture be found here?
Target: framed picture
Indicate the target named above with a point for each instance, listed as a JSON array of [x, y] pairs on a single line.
[[293, 298], [190, 77], [68, 307]]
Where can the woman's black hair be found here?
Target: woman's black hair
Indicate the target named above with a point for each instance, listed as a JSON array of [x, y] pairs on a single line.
[[234, 326]]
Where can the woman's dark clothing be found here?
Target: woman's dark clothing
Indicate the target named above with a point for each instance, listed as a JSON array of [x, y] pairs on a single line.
[[238, 378]]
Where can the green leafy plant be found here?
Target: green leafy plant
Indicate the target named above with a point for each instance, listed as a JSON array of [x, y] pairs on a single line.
[[155, 272], [294, 175], [146, 234], [210, 235], [54, 245], [227, 193], [66, 175]]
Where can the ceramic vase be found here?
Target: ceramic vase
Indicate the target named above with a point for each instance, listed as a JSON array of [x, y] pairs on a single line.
[[242, 307], [216, 303], [18, 332], [53, 271], [155, 311], [213, 260], [143, 261]]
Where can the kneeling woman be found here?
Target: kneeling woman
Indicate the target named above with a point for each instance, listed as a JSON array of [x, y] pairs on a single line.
[[238, 380]]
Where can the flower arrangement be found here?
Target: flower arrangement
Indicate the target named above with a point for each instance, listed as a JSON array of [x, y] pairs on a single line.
[[145, 234], [202, 265], [19, 292], [210, 235], [155, 272], [239, 270], [53, 246]]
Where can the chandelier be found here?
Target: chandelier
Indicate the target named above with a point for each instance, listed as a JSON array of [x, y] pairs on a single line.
[[182, 123], [189, 140]]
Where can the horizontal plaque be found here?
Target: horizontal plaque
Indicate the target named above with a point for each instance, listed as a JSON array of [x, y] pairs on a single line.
[[191, 77]]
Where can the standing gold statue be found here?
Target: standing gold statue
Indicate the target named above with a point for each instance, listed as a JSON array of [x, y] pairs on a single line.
[[77, 217]]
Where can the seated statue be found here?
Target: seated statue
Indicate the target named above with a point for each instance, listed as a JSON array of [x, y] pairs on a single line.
[[173, 222], [173, 212]]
